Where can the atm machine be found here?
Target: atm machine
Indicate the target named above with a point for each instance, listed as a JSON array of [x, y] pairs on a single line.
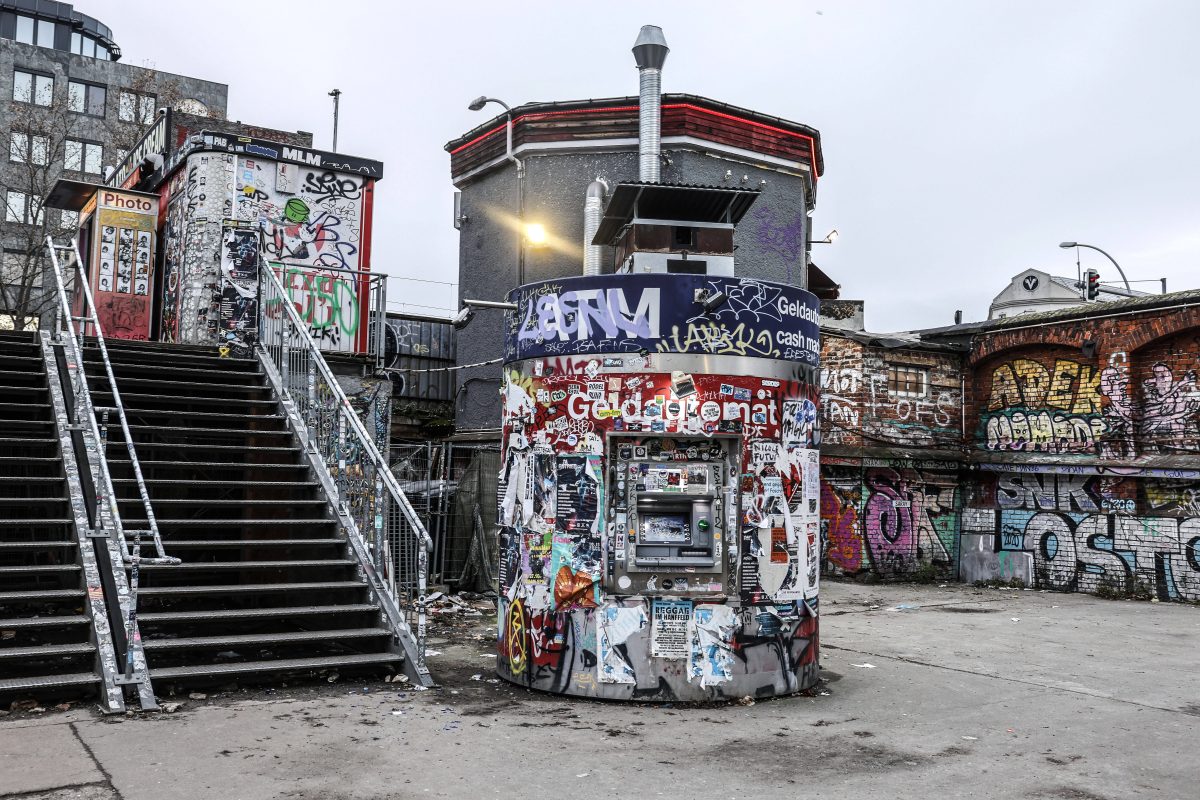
[[670, 519]]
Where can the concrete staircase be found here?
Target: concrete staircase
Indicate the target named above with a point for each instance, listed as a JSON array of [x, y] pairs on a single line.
[[268, 586], [47, 639]]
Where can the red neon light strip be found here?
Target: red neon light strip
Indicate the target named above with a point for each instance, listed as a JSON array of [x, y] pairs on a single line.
[[812, 148]]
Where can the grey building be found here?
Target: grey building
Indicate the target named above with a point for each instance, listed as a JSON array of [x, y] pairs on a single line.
[[1035, 290], [72, 108], [562, 147]]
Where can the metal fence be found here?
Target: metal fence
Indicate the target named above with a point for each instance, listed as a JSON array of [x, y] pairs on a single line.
[[452, 487], [384, 529]]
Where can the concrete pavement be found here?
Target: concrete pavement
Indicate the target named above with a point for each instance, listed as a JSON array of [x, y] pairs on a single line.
[[932, 692]]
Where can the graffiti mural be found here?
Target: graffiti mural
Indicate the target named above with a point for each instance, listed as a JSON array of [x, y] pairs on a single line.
[[1035, 408], [1090, 531], [890, 518], [659, 313], [309, 219]]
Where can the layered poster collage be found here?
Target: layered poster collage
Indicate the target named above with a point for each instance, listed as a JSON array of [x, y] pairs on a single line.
[[557, 413]]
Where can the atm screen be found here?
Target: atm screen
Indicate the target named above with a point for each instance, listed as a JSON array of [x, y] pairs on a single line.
[[666, 528]]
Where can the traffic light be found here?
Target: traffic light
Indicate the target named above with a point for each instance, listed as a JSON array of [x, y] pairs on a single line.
[[1091, 284]]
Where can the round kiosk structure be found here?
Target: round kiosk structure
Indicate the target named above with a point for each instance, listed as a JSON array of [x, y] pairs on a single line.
[[659, 489]]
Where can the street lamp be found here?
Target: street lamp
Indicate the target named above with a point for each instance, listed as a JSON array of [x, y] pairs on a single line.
[[477, 105], [830, 238], [1106, 255]]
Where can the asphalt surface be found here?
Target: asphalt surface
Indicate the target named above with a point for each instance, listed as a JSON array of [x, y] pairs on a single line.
[[947, 692]]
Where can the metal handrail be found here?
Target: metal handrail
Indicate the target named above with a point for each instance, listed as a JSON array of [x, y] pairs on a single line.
[[368, 443], [85, 409], [305, 349]]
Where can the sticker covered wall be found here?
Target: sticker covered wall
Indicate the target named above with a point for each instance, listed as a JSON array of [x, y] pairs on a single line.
[[312, 223]]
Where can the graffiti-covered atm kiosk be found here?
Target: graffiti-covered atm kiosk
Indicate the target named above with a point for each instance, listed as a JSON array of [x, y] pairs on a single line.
[[659, 494]]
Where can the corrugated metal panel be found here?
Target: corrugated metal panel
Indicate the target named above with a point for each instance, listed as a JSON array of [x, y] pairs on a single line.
[[414, 345]]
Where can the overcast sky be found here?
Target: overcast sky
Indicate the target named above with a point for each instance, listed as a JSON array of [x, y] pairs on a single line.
[[963, 140]]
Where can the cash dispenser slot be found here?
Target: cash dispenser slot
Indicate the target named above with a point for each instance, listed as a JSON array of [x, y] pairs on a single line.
[[674, 530]]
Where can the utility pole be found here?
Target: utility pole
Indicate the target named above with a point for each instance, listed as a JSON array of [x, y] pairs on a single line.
[[336, 94]]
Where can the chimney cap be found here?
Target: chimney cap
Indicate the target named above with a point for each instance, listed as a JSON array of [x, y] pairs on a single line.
[[650, 50]]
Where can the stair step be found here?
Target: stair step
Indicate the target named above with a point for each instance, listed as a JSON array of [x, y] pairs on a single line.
[[128, 370], [39, 569], [43, 650], [51, 545], [261, 638], [201, 544], [16, 501], [202, 502], [132, 411], [245, 588], [251, 613], [142, 444], [13, 523], [134, 402], [191, 431], [35, 595], [175, 389], [92, 359], [4, 390], [11, 685], [280, 665], [32, 363], [33, 479], [207, 566], [43, 622], [238, 465], [217, 523]]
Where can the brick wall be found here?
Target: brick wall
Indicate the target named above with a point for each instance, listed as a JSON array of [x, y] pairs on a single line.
[[1086, 434]]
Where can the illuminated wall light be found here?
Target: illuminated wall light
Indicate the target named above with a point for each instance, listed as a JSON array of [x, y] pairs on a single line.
[[535, 234]]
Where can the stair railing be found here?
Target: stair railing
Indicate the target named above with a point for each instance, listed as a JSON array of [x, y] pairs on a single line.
[[96, 433], [382, 526]]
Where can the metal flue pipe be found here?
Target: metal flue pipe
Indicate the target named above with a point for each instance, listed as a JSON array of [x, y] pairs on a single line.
[[650, 52]]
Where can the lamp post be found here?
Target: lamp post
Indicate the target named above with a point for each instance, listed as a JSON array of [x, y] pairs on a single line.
[[477, 105], [1106, 255], [336, 94]]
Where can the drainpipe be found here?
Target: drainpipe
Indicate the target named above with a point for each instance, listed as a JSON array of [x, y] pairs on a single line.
[[593, 209]]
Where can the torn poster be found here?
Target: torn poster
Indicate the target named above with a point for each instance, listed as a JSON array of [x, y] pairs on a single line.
[[614, 625], [711, 659], [576, 556], [669, 628]]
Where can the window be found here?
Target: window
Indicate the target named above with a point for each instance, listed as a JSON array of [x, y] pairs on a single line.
[[83, 45], [31, 88], [45, 33], [135, 107], [908, 381], [101, 52], [16, 268], [85, 98], [21, 208], [82, 156], [25, 29], [24, 148]]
